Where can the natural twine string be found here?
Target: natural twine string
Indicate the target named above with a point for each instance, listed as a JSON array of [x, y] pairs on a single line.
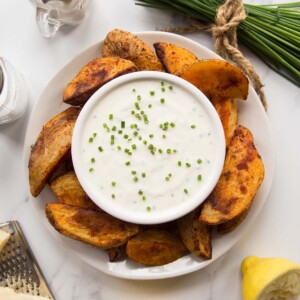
[[224, 31]]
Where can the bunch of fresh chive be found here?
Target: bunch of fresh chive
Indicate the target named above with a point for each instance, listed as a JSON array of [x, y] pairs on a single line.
[[271, 31]]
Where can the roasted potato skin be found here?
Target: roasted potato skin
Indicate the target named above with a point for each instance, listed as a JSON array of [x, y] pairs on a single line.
[[120, 43], [217, 79], [51, 148], [68, 190], [242, 175], [227, 110], [175, 59], [195, 234], [116, 253], [94, 75], [155, 248], [92, 227], [230, 225]]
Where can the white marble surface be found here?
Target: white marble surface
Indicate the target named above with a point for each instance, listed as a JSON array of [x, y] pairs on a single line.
[[274, 233]]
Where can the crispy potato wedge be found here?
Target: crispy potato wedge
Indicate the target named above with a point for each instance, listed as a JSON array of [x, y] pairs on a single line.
[[175, 59], [217, 79], [94, 75], [155, 248], [116, 253], [232, 224], [242, 175], [195, 234], [89, 226], [51, 148], [68, 190], [227, 110], [126, 45]]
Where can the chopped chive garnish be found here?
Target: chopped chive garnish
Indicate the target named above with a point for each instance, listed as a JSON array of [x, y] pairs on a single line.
[[122, 124], [199, 161], [199, 177], [152, 93], [91, 169], [114, 128], [149, 105], [111, 116], [139, 97], [127, 163], [140, 138], [140, 192], [137, 106], [188, 165], [170, 88], [100, 149], [151, 136], [138, 116], [133, 146], [170, 174], [162, 100], [164, 136], [193, 126], [160, 151], [143, 175], [135, 179], [186, 191], [126, 136], [135, 133], [113, 183], [174, 151], [145, 142], [142, 112], [91, 140], [132, 112], [162, 83], [120, 131], [168, 151], [94, 134], [179, 163], [119, 148], [167, 178], [148, 208], [112, 142], [144, 198], [163, 89], [133, 172], [113, 196], [93, 160], [172, 124], [134, 90]]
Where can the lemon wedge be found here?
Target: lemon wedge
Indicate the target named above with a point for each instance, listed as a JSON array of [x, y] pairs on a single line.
[[270, 279]]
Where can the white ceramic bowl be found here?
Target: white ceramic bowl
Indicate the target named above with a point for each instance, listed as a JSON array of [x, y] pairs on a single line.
[[173, 211]]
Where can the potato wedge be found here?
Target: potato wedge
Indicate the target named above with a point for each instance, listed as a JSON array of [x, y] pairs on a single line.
[[175, 59], [89, 226], [227, 110], [155, 248], [68, 190], [242, 174], [116, 253], [51, 148], [195, 234], [94, 75], [126, 45], [232, 224], [217, 79]]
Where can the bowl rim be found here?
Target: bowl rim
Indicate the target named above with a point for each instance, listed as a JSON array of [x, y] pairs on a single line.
[[175, 211]]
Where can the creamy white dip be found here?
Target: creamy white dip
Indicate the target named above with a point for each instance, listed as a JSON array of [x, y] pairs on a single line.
[[148, 145]]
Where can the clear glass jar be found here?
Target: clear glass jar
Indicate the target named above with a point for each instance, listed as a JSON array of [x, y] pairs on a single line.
[[13, 93]]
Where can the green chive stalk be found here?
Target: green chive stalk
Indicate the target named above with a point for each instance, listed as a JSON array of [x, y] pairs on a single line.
[[271, 31]]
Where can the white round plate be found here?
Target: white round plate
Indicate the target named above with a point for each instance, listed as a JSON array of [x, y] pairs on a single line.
[[251, 115]]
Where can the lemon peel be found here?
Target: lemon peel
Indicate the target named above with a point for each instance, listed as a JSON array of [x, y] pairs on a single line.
[[270, 279]]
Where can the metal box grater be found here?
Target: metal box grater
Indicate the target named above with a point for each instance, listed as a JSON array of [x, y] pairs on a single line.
[[18, 268]]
